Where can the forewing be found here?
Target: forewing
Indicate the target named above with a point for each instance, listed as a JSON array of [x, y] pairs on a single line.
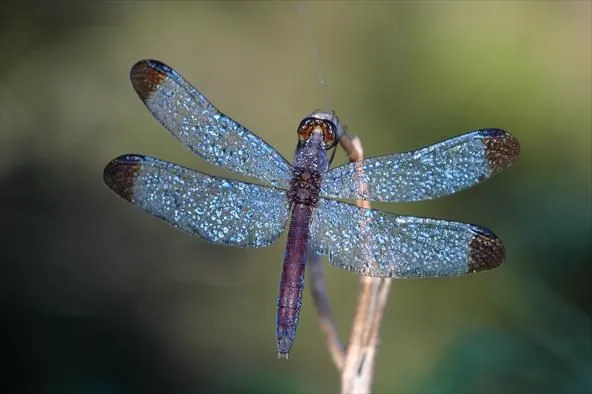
[[376, 243], [216, 209], [434, 171], [210, 134]]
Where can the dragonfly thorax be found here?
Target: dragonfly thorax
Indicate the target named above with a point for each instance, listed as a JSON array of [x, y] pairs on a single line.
[[305, 187]]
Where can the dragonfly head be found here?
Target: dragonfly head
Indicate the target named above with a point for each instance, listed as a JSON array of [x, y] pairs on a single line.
[[325, 124]]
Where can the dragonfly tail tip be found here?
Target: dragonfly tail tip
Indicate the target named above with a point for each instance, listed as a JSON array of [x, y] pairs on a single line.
[[282, 355], [284, 345]]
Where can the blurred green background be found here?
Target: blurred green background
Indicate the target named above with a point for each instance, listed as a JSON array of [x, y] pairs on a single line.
[[98, 297]]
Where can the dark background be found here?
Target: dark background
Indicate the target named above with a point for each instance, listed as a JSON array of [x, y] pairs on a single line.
[[98, 297]]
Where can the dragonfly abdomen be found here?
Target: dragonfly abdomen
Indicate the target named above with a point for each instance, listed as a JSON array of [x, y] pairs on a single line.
[[292, 279]]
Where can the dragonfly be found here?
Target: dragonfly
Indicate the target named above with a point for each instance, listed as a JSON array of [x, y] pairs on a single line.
[[306, 195]]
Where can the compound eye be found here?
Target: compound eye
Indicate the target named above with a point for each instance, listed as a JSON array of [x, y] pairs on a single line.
[[329, 134], [311, 125], [305, 129]]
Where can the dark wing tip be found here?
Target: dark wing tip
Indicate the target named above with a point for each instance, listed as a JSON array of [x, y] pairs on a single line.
[[121, 173], [501, 149], [486, 251], [147, 75]]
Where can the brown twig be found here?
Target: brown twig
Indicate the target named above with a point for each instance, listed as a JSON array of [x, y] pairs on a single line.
[[357, 363], [319, 295]]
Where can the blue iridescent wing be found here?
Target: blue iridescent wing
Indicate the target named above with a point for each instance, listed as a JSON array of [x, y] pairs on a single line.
[[376, 243], [434, 171], [216, 209], [196, 123]]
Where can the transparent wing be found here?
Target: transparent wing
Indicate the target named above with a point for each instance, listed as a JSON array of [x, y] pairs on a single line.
[[376, 243], [210, 134], [216, 209], [434, 171]]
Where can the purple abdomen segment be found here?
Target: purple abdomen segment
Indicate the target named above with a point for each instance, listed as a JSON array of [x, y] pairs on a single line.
[[292, 280]]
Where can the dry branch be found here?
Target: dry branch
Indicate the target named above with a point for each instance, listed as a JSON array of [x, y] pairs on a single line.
[[356, 363]]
